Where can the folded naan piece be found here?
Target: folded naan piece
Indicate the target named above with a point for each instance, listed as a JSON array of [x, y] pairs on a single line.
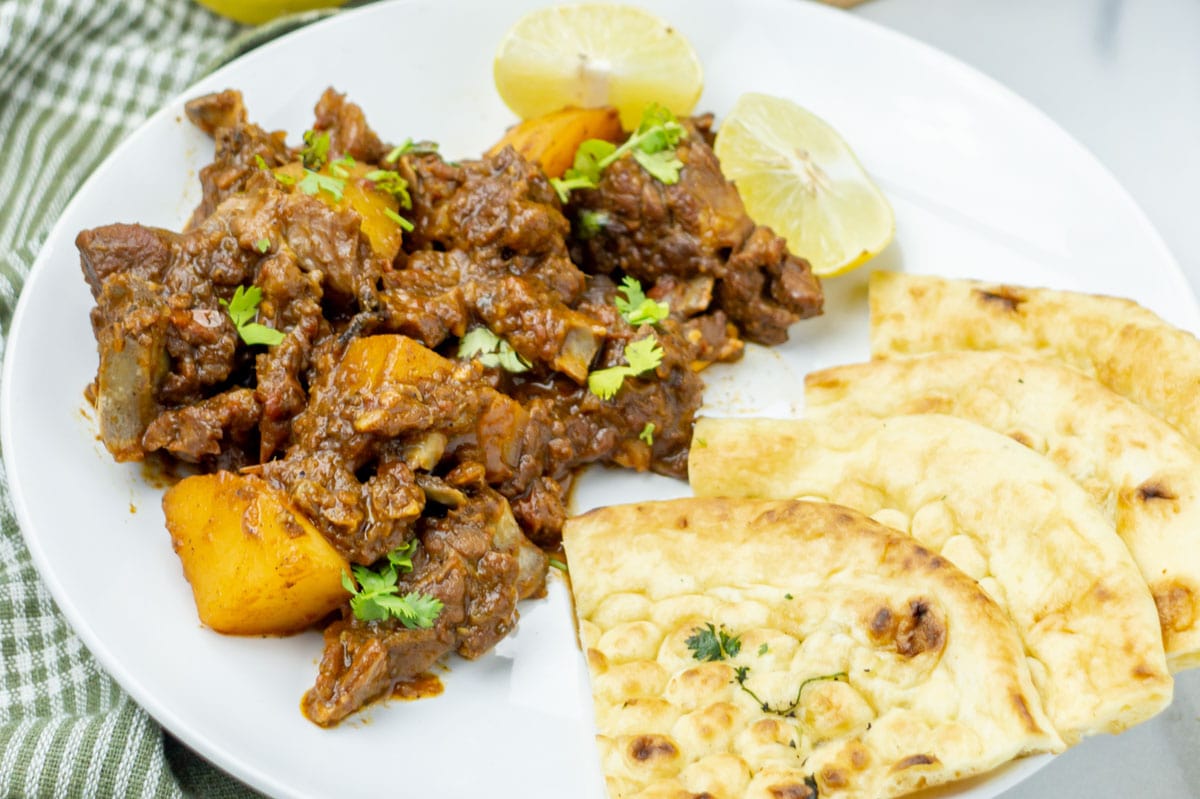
[[1035, 540], [1123, 345], [755, 650], [1142, 471]]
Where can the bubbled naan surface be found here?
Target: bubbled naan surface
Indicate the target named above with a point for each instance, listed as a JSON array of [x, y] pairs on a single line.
[[1031, 536], [1123, 345], [1142, 472], [936, 684]]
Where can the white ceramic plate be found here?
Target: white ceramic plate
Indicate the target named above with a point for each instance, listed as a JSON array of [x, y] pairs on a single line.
[[982, 184]]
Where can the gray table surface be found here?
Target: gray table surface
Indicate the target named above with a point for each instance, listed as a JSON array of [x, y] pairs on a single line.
[[1122, 77]]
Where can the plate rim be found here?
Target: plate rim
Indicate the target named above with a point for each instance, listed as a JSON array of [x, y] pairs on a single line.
[[107, 659]]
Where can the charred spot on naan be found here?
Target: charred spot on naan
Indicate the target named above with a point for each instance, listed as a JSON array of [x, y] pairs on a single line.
[[1177, 605], [921, 627], [1001, 298]]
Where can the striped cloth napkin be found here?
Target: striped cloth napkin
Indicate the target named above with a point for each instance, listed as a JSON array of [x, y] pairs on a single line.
[[76, 76]]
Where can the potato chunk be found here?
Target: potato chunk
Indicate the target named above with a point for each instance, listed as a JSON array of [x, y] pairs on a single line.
[[255, 564], [550, 141]]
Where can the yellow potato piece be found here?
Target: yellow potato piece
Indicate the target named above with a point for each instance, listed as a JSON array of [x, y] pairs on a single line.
[[550, 141], [255, 564]]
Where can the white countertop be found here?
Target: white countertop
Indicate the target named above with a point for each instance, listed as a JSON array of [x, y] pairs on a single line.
[[1123, 78]]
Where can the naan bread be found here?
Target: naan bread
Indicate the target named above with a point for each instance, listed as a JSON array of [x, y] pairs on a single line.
[[1038, 544], [1123, 345], [1141, 470], [932, 680]]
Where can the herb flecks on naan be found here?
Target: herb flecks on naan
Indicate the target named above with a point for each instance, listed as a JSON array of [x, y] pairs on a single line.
[[1142, 471], [751, 650], [1123, 345], [1034, 539]]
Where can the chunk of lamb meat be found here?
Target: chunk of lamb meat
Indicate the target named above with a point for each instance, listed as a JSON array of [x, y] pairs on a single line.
[[697, 226], [497, 222], [184, 278], [222, 115], [476, 561], [381, 416]]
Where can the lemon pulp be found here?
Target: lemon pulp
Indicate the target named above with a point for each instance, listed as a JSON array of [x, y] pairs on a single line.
[[594, 55], [799, 177]]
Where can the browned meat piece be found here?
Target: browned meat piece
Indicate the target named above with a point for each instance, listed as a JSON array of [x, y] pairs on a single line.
[[223, 116], [136, 250], [478, 563], [516, 276], [363, 660], [206, 428], [425, 300], [349, 133], [697, 227], [331, 242]]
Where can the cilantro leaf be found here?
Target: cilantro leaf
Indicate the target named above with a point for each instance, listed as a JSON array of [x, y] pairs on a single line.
[[564, 185], [315, 151], [341, 167], [260, 163], [401, 556], [243, 310], [591, 222], [404, 224], [605, 383], [490, 350], [408, 146], [414, 610], [647, 434], [643, 355], [314, 182], [636, 307], [390, 182], [663, 165], [254, 333], [378, 596], [708, 643], [652, 145], [243, 306], [262, 245]]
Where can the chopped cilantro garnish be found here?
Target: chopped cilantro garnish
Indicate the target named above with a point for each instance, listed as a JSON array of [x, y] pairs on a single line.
[[377, 595], [591, 222], [243, 310], [742, 673], [490, 350], [709, 644], [390, 182], [636, 307], [558, 564], [404, 224], [643, 356], [315, 151], [647, 434], [409, 146], [652, 145], [762, 649], [262, 245], [341, 167], [314, 182]]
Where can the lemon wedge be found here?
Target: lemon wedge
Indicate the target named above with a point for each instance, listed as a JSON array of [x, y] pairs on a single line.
[[595, 55], [797, 176]]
